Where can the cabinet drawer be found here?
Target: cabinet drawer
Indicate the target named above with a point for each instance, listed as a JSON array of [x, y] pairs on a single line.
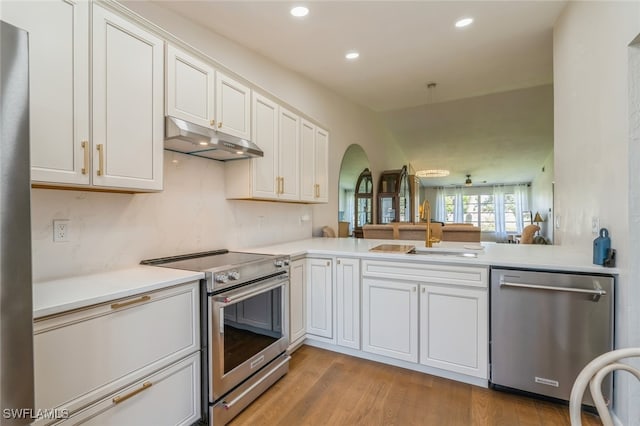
[[87, 354], [475, 276], [169, 397]]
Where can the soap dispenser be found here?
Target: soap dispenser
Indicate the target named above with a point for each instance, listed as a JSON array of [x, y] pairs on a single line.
[[601, 246]]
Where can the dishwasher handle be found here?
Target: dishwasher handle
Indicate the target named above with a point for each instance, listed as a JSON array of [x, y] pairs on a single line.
[[595, 293]]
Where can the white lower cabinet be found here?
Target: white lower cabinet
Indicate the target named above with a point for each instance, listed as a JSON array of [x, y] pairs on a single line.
[[319, 298], [454, 329], [98, 353], [169, 397], [297, 302], [390, 318], [348, 302]]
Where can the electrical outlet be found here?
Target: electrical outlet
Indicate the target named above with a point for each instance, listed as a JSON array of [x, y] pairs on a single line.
[[595, 225], [61, 231]]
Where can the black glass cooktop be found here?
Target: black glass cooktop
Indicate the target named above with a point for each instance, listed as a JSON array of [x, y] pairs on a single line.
[[206, 261]]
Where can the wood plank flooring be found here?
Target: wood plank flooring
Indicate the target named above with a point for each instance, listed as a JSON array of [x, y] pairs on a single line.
[[327, 388]]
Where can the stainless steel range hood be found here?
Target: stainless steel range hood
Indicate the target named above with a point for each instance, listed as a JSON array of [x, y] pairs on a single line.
[[183, 136]]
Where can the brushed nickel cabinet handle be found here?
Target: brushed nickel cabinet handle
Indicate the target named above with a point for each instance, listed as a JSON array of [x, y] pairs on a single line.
[[100, 149], [119, 399], [85, 150], [130, 302]]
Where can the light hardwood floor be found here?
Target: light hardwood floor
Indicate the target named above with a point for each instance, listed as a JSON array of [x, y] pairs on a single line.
[[327, 388]]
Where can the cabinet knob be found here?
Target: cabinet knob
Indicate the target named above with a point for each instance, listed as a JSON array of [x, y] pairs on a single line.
[[213, 123], [414, 289], [338, 261], [328, 263], [424, 289], [219, 124]]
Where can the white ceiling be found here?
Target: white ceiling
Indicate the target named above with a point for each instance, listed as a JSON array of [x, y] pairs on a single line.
[[403, 45]]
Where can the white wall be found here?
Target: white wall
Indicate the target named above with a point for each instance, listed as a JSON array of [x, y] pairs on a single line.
[[111, 231], [591, 97], [542, 196]]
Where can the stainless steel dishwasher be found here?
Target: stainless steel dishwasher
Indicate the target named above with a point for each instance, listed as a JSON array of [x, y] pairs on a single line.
[[545, 327]]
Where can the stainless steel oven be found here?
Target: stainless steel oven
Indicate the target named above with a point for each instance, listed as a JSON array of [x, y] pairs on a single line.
[[244, 299]]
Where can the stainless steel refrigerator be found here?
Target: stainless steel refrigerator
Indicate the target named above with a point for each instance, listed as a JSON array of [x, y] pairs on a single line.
[[16, 312]]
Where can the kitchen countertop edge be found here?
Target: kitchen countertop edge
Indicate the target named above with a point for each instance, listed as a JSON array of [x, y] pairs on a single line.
[[538, 257], [56, 296]]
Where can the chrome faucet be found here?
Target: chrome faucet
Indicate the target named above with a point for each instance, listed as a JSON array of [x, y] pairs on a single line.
[[426, 213]]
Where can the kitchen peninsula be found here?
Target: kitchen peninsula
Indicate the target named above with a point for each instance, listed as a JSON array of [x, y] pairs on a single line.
[[426, 310]]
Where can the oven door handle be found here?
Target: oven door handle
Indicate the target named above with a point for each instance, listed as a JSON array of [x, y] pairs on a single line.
[[239, 295]]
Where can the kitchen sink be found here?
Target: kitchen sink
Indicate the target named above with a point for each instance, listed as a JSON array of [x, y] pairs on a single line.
[[443, 253]]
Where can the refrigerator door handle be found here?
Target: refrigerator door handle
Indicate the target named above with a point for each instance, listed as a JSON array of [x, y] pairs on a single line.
[[597, 293]]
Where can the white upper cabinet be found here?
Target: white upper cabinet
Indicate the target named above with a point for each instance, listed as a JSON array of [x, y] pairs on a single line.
[[321, 166], [59, 87], [314, 151], [307, 163], [233, 107], [197, 93], [276, 175], [265, 135], [127, 104], [190, 88], [288, 155]]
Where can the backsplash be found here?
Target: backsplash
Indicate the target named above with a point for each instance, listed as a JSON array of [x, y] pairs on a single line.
[[110, 231]]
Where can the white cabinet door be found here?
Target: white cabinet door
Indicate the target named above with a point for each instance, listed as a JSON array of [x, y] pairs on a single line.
[[453, 329], [288, 155], [265, 135], [58, 86], [321, 166], [390, 318], [128, 113], [169, 397], [87, 354], [233, 107], [348, 302], [307, 161], [297, 301], [319, 298], [190, 88]]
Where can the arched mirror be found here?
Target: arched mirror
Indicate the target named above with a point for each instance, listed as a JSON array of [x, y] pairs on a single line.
[[354, 161]]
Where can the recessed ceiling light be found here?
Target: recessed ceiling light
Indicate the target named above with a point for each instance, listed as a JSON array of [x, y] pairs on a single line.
[[299, 11], [463, 22], [352, 55]]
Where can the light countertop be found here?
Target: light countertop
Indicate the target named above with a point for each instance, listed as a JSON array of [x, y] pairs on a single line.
[[529, 256], [60, 295]]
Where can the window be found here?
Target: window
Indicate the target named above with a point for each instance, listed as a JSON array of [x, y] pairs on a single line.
[[479, 210], [449, 208], [510, 224], [478, 207]]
